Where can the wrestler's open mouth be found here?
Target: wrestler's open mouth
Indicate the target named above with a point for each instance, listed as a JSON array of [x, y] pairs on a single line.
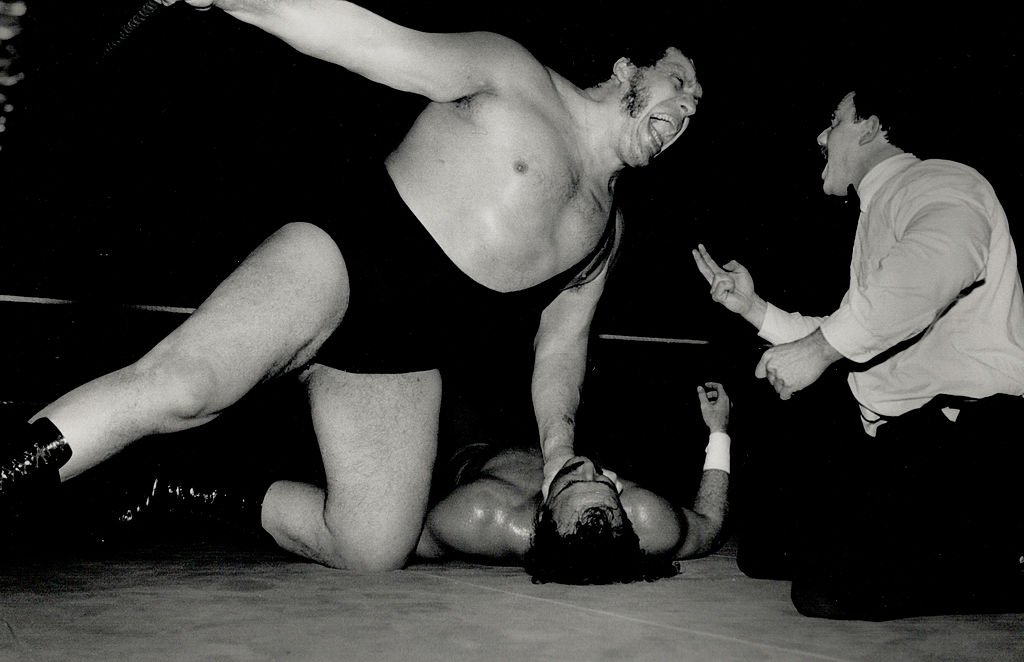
[[663, 129]]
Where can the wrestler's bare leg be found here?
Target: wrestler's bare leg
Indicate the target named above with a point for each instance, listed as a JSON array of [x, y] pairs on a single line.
[[268, 317], [378, 440]]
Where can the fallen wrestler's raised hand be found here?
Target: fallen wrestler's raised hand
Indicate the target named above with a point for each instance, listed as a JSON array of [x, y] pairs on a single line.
[[731, 283], [714, 406]]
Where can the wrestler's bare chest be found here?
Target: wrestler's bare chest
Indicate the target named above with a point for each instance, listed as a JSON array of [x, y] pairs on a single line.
[[503, 189]]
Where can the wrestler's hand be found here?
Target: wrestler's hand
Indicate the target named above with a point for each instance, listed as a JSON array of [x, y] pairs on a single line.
[[731, 285], [614, 477], [793, 366], [714, 406], [551, 467]]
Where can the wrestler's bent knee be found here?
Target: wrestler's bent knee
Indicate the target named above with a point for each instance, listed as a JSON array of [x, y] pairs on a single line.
[[187, 388], [373, 551], [364, 558], [313, 243]]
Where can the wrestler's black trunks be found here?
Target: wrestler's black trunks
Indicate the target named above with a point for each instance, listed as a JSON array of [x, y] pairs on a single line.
[[411, 307]]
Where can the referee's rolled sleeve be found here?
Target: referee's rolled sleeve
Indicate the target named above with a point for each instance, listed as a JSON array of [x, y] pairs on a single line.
[[781, 327]]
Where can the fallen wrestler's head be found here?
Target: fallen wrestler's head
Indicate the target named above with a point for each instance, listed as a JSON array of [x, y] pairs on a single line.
[[583, 535]]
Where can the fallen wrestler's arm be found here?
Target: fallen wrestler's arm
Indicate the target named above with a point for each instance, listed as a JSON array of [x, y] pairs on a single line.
[[690, 532], [683, 533]]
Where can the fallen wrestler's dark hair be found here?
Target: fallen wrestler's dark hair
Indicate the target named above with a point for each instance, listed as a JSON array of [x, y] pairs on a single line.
[[596, 552]]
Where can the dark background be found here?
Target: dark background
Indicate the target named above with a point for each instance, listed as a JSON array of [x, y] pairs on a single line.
[[145, 175]]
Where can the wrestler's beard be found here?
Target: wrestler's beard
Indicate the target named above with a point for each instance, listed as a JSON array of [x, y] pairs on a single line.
[[636, 97]]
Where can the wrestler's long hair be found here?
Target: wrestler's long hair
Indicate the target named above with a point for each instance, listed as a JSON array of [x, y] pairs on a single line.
[[595, 552]]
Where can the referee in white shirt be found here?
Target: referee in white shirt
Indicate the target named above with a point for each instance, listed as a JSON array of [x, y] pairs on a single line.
[[919, 514]]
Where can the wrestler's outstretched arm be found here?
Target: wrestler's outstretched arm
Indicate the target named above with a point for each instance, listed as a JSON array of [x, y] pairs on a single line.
[[440, 66], [689, 532], [560, 361]]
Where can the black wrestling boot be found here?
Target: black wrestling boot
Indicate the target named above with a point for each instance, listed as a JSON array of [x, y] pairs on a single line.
[[32, 459], [192, 509], [30, 508]]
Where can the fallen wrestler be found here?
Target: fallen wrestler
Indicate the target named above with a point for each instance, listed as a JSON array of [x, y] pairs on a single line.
[[593, 527]]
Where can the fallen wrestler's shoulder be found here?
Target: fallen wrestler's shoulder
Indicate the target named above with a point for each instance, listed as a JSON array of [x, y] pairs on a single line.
[[487, 518], [656, 522]]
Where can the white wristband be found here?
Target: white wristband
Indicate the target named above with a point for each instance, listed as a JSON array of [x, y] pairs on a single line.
[[717, 452]]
